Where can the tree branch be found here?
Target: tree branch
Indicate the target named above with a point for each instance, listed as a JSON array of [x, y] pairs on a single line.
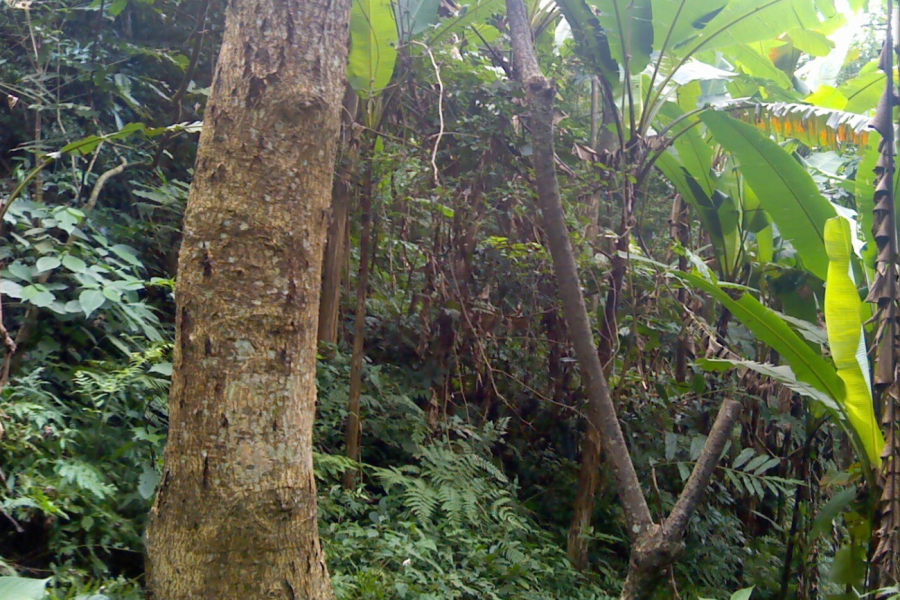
[[677, 521]]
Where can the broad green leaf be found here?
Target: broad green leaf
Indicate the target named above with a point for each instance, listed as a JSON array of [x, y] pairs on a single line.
[[373, 46], [91, 300], [112, 293], [728, 215], [21, 270], [672, 167], [628, 25], [864, 194], [590, 38], [743, 594], [846, 336], [814, 43], [23, 588], [148, 481], [677, 21], [827, 96], [472, 13], [415, 16], [828, 513], [785, 189], [11, 289], [73, 263], [38, 295], [863, 91], [695, 153], [748, 21], [127, 254], [46, 263], [808, 366], [757, 64], [770, 329]]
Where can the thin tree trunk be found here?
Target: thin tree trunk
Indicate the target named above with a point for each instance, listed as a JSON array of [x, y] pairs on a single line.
[[603, 141], [235, 516], [609, 331], [341, 196], [578, 542], [540, 94], [354, 422], [654, 547], [680, 231]]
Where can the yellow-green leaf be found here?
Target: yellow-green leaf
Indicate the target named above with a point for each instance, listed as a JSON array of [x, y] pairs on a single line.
[[846, 338]]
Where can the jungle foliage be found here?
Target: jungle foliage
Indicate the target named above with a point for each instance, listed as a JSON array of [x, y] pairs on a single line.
[[727, 201]]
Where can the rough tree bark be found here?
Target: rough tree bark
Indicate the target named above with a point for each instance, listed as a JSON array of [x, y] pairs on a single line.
[[235, 516], [885, 294], [653, 546]]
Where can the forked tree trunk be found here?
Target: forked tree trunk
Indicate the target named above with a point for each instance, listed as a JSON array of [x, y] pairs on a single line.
[[235, 516], [654, 546]]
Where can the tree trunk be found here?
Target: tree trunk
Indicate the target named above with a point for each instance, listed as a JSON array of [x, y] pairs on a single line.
[[885, 294], [354, 422], [341, 195], [680, 231], [235, 516], [577, 544], [540, 92]]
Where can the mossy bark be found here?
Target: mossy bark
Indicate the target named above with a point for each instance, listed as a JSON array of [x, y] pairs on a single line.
[[235, 516]]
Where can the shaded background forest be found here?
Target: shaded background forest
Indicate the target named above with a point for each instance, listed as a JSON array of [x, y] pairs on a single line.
[[472, 408]]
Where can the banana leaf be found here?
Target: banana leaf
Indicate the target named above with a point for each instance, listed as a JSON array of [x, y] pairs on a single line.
[[373, 46], [785, 190], [846, 336]]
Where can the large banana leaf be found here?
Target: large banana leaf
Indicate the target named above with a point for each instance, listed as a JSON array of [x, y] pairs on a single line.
[[696, 154], [844, 323], [864, 193], [757, 64], [813, 126], [590, 38], [415, 16], [629, 28], [748, 21], [784, 188], [373, 46], [863, 91], [724, 236], [676, 21]]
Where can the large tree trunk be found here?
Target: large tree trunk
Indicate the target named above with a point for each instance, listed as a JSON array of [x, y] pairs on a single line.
[[235, 517]]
